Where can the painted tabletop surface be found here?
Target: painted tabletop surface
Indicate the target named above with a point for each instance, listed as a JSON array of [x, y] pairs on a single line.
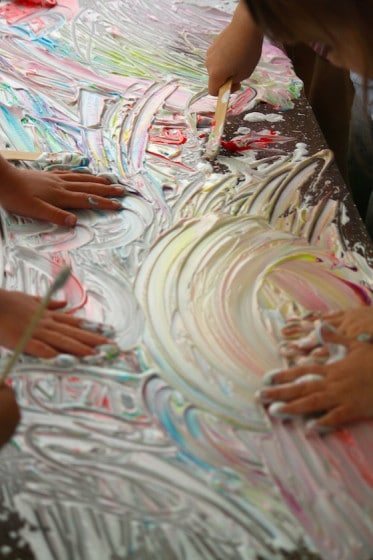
[[163, 452]]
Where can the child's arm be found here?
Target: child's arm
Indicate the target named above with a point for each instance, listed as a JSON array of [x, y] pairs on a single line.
[[9, 413], [46, 195], [235, 52]]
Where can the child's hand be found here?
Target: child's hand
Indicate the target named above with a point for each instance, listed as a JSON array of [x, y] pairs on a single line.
[[235, 52], [345, 394], [9, 413], [44, 195], [56, 333]]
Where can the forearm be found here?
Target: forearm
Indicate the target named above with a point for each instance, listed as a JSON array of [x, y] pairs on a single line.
[[243, 21], [235, 52]]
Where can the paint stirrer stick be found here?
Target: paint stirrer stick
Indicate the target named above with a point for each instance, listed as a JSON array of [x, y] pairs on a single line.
[[17, 155], [214, 141]]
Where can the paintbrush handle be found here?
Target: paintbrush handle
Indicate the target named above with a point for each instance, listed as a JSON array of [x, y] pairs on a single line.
[[214, 141], [221, 108]]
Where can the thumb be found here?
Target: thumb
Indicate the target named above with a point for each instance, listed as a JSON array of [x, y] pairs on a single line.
[[44, 211], [328, 333]]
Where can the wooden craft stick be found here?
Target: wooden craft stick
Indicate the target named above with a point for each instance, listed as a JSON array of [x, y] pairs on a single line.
[[214, 141], [17, 155]]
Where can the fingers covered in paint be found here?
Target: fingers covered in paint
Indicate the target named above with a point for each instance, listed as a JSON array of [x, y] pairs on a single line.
[[339, 392], [56, 332], [305, 346], [350, 323]]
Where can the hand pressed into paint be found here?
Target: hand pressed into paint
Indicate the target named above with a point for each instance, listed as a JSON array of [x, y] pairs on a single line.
[[46, 195], [56, 333], [9, 413], [235, 52], [344, 393]]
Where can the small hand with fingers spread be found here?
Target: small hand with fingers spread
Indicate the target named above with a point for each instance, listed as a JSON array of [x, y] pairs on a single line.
[[56, 332], [338, 392], [47, 195]]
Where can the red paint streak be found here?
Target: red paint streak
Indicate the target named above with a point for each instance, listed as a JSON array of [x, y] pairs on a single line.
[[359, 291], [106, 403], [253, 141], [241, 145], [241, 101], [170, 162], [355, 454], [167, 135], [13, 11], [41, 3], [233, 146]]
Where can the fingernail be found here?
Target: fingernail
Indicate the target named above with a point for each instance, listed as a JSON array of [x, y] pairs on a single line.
[[65, 361], [307, 342], [108, 351], [309, 377], [261, 397], [119, 190], [70, 220], [92, 201], [105, 352], [364, 337], [320, 352], [313, 427], [106, 330], [268, 378], [292, 331], [305, 361], [308, 315], [289, 350], [275, 410]]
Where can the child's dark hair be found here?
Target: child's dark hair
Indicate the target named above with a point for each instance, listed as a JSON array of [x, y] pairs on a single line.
[[306, 21]]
